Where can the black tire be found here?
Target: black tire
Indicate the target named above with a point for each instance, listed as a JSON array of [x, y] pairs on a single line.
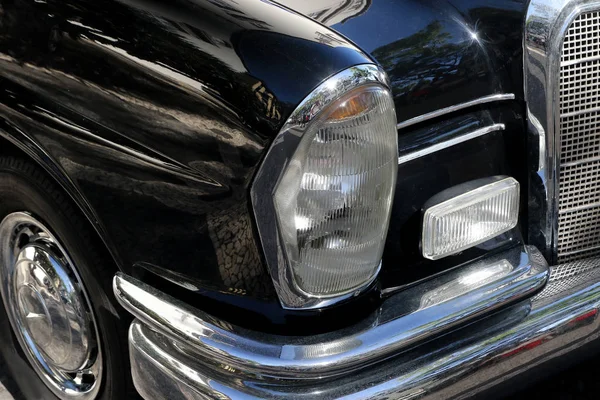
[[25, 187]]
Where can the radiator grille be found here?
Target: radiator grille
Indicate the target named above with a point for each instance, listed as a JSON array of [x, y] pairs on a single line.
[[579, 133]]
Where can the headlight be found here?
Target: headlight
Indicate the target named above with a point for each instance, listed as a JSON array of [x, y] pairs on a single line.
[[324, 193]]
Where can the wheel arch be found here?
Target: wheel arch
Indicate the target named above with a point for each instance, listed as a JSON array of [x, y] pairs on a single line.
[[15, 142]]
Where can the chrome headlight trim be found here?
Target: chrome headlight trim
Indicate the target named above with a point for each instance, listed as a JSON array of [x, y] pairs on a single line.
[[270, 172]]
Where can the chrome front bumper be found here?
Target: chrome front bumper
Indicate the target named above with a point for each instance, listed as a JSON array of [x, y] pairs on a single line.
[[182, 353]]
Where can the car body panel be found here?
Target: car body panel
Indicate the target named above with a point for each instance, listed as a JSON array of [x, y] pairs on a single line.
[[155, 116], [439, 54], [436, 53]]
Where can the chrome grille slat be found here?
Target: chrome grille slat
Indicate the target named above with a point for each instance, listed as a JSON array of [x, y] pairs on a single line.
[[572, 269], [579, 141], [581, 86], [579, 186], [582, 38]]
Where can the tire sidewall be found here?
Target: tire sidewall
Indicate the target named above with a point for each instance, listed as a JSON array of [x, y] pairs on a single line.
[[21, 191]]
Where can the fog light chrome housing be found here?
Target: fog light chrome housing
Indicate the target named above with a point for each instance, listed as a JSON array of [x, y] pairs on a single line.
[[469, 214], [323, 196]]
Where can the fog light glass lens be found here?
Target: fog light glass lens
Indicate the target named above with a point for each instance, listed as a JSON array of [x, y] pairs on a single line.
[[470, 218], [333, 201]]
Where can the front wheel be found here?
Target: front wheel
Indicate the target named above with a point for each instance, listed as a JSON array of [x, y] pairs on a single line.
[[67, 339]]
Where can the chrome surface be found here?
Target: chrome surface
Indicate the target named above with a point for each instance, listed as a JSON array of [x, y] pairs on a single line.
[[574, 268], [442, 111], [449, 143], [281, 151], [579, 135], [546, 27], [562, 318], [403, 321], [48, 308]]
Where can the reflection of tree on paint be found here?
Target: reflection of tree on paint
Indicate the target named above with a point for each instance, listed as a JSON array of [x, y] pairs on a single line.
[[329, 12], [421, 59]]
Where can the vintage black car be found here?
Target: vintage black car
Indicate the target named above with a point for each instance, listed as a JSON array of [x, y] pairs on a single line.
[[297, 199]]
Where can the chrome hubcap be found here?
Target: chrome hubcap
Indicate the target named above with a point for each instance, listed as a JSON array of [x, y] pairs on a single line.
[[48, 308]]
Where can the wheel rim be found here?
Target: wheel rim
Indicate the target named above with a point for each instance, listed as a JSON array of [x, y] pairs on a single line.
[[48, 308]]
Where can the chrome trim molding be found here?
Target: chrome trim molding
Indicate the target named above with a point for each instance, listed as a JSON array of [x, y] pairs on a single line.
[[449, 143], [562, 318], [442, 111], [209, 356], [278, 156], [545, 26]]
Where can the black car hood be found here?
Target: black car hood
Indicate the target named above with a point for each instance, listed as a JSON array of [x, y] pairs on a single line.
[[436, 53]]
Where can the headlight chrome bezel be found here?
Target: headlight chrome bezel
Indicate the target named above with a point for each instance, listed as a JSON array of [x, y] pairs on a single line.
[[291, 296]]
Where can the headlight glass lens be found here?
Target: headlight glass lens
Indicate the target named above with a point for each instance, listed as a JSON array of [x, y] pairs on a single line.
[[470, 218], [334, 198]]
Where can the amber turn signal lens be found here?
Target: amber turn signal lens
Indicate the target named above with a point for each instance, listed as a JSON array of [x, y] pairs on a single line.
[[352, 107]]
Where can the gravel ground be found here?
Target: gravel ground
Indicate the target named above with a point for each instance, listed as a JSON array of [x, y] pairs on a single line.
[[5, 394]]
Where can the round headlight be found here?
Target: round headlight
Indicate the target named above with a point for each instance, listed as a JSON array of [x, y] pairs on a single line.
[[333, 194]]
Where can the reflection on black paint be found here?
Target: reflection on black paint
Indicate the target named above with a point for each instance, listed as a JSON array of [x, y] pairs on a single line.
[[159, 113], [418, 63], [437, 53]]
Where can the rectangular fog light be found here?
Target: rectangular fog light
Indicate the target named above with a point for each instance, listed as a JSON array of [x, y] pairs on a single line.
[[469, 214]]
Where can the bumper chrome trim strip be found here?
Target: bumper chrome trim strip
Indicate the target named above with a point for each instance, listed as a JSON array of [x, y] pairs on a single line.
[[442, 111], [562, 318], [404, 320]]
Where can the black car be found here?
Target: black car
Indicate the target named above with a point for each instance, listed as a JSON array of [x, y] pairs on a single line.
[[297, 199]]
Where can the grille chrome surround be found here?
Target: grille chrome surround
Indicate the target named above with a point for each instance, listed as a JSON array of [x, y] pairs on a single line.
[[578, 140], [561, 61]]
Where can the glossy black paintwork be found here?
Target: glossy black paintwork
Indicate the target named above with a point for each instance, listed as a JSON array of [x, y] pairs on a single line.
[[155, 115], [496, 153], [437, 53]]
